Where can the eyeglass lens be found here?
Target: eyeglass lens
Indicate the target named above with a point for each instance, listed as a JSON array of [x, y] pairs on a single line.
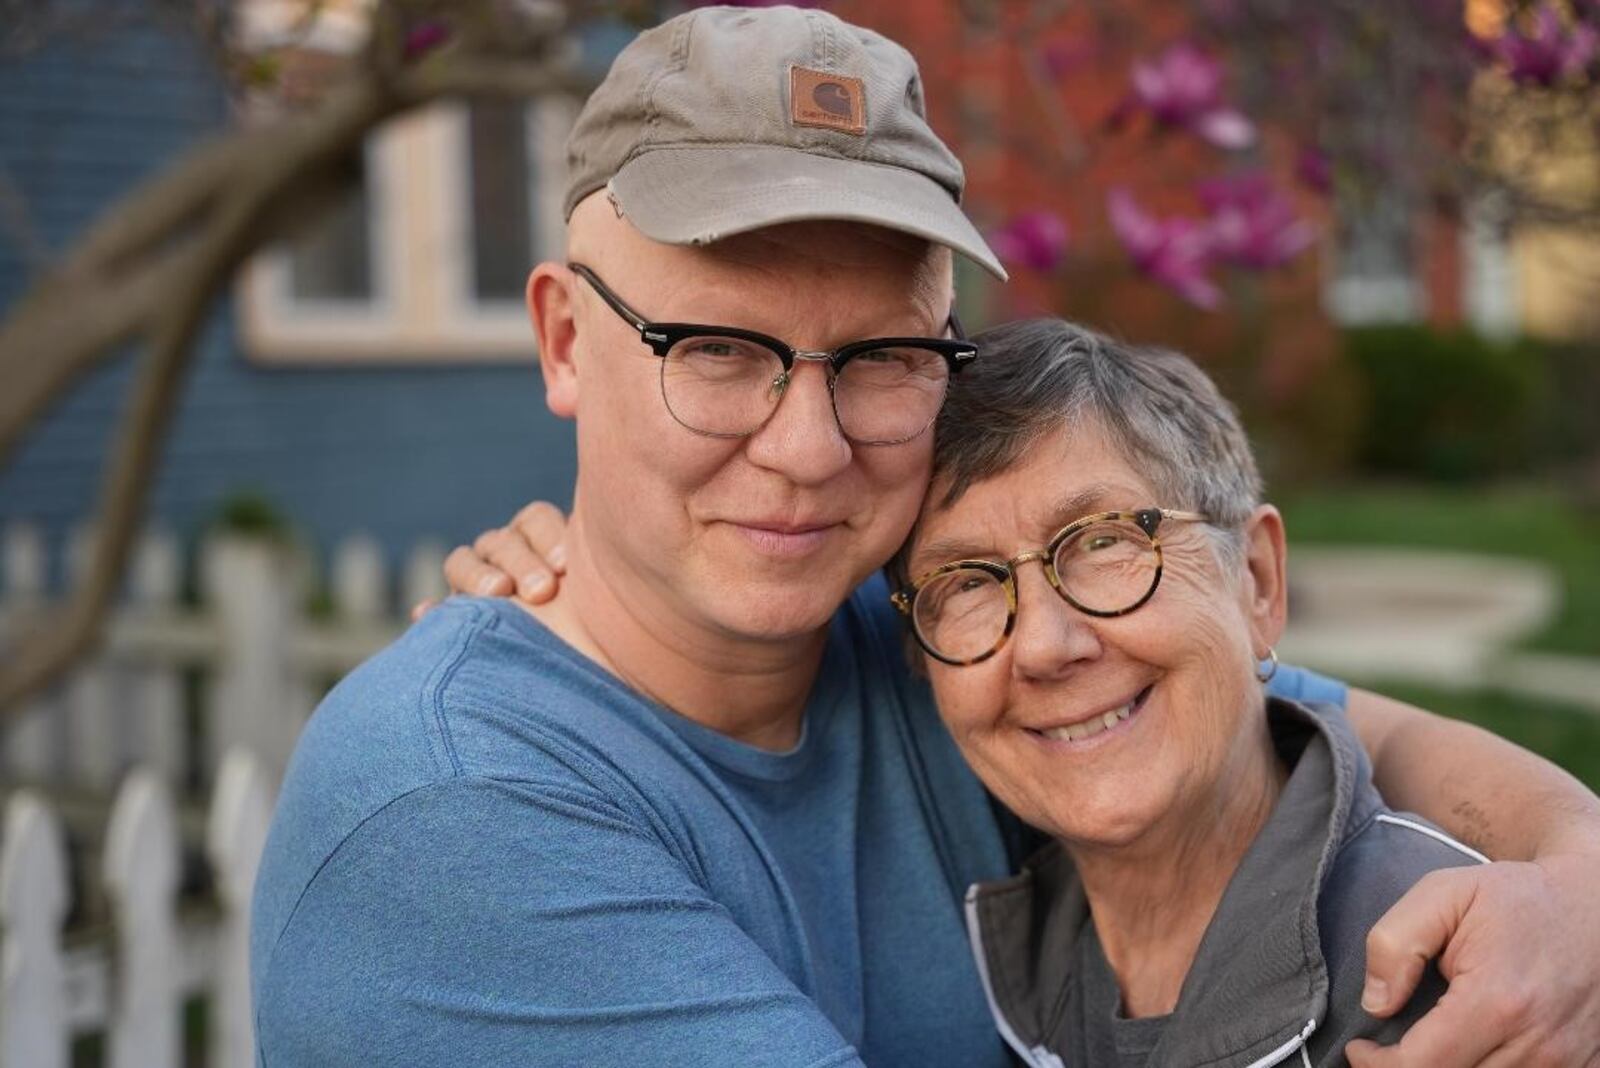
[[730, 386]]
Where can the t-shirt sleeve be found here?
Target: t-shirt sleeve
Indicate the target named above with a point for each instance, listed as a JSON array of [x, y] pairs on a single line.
[[1304, 685], [479, 922]]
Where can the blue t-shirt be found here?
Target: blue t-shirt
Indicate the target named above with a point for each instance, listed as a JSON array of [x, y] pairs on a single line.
[[489, 851]]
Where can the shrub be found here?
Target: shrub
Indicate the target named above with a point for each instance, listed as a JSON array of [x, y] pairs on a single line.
[[1449, 406]]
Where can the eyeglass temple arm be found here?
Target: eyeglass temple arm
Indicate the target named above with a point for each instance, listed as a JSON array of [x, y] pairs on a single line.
[[954, 325], [1150, 518], [614, 302]]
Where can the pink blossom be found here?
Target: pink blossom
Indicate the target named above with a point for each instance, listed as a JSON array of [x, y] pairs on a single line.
[[1251, 223], [1314, 170], [424, 37], [1062, 58], [1035, 239], [1582, 47], [1549, 52], [1182, 88], [1174, 252]]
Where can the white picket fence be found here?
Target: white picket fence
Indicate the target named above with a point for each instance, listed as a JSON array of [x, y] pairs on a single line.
[[131, 980], [258, 658], [165, 745]]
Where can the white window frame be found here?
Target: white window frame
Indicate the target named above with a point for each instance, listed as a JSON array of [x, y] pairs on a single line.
[[422, 308], [1362, 300], [1356, 295], [337, 26], [1489, 282]]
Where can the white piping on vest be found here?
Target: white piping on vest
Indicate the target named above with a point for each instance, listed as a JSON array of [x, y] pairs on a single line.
[[1034, 1056], [1438, 836], [1038, 1056], [1283, 1052]]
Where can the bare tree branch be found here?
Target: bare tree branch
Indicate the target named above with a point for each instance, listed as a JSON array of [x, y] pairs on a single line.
[[154, 267], [159, 209], [68, 632], [61, 331], [106, 293]]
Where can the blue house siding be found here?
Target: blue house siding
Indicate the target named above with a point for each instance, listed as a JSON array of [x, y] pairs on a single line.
[[403, 453]]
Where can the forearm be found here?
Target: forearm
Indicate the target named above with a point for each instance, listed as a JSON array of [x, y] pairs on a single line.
[[1486, 791]]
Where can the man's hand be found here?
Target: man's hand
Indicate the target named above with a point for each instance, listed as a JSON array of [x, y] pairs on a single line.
[[1519, 944], [525, 558]]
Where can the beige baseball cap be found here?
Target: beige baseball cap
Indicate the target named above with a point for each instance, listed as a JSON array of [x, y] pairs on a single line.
[[728, 119]]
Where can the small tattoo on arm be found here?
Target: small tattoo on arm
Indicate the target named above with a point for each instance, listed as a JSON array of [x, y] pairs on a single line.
[[1473, 827]]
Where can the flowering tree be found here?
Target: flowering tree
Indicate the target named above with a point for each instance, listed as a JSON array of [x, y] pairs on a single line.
[[1245, 115]]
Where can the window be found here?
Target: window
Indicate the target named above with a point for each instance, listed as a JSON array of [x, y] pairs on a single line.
[[1374, 278], [426, 259], [334, 260], [498, 138]]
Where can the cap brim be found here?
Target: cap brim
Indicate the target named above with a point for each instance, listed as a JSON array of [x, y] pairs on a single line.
[[682, 196]]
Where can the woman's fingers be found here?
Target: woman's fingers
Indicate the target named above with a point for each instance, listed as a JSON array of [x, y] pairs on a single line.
[[468, 570], [1441, 1039], [1414, 931], [524, 559], [531, 550], [543, 527], [1522, 959]]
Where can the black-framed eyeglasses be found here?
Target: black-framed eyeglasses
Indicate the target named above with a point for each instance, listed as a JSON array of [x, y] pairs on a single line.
[[725, 382], [1106, 564]]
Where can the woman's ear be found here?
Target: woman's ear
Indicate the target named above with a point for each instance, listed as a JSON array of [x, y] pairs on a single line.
[[552, 308], [1266, 561]]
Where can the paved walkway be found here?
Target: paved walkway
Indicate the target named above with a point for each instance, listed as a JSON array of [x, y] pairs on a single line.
[[1446, 619], [1571, 679]]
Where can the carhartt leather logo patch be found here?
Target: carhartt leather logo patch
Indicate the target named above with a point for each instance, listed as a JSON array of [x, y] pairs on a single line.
[[831, 101]]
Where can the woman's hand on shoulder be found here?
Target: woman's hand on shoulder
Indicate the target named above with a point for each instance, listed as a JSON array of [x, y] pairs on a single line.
[[524, 559]]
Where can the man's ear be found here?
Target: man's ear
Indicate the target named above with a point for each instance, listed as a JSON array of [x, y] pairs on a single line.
[[552, 308], [1266, 563]]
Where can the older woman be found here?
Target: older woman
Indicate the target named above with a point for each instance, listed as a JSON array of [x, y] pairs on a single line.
[[1097, 588]]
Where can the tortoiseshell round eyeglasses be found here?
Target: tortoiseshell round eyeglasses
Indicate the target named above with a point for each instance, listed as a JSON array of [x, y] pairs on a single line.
[[1106, 564]]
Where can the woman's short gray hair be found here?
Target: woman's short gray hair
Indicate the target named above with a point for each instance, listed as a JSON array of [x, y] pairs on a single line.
[[1034, 376]]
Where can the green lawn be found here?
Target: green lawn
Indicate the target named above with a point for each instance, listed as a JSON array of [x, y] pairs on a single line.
[[1566, 735], [1534, 523]]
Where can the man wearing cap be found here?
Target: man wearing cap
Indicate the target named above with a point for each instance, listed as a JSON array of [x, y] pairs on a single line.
[[695, 810]]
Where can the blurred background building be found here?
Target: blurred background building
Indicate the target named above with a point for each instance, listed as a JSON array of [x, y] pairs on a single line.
[[378, 373]]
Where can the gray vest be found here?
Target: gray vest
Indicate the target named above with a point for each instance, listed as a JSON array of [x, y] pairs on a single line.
[[1279, 971]]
